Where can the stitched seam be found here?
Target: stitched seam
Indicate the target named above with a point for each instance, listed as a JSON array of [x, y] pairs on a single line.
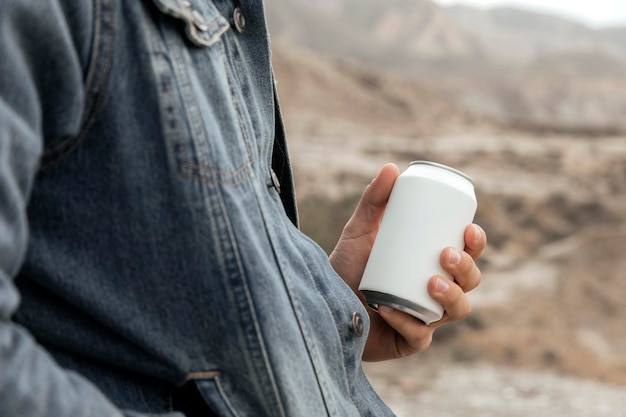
[[202, 374], [225, 398], [212, 180], [258, 339], [180, 84], [233, 84], [167, 99], [167, 79], [214, 170], [192, 115], [166, 88], [66, 147]]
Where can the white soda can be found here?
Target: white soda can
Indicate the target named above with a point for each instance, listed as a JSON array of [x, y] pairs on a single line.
[[428, 210]]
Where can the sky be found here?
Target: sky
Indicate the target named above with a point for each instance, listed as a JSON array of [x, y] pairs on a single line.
[[595, 13]]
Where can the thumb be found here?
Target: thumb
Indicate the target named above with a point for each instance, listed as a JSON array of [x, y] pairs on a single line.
[[350, 255], [372, 205]]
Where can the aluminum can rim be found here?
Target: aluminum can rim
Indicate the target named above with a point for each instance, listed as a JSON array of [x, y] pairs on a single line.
[[442, 166]]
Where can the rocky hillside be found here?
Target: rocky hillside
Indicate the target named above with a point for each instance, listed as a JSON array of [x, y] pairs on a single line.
[[516, 35], [381, 33], [519, 66], [552, 203], [532, 108], [345, 92]]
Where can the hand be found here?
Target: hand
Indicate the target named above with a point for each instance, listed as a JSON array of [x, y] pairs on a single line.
[[394, 334]]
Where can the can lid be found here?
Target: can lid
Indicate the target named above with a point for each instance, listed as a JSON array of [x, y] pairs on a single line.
[[442, 166]]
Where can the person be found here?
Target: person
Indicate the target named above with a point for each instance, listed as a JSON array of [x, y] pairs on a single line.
[[150, 260]]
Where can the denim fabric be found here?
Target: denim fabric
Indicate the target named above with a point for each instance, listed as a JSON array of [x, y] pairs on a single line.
[[141, 227]]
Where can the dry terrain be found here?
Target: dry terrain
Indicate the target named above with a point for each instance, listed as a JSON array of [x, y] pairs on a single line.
[[514, 64], [547, 336]]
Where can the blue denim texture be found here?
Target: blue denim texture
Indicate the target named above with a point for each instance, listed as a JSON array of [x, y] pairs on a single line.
[[140, 244]]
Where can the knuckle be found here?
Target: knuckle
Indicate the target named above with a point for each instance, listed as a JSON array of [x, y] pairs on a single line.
[[473, 281], [462, 309], [468, 275], [463, 312], [420, 344], [466, 312], [478, 277]]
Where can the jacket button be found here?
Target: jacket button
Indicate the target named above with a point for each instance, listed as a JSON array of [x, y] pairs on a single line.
[[239, 19], [357, 324], [273, 181]]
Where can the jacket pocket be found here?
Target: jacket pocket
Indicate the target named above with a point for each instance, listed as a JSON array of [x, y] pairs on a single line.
[[214, 394], [203, 116]]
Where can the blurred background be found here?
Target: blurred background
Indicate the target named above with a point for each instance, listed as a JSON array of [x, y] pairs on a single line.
[[530, 100]]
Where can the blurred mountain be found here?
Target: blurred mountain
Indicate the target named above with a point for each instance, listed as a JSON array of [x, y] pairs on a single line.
[[518, 35], [350, 98], [382, 33], [523, 67]]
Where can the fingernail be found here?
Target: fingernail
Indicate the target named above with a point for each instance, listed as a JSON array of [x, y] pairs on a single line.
[[454, 257], [478, 234], [442, 285]]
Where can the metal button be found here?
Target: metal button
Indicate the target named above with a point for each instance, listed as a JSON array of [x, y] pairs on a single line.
[[357, 324], [273, 181], [198, 21], [239, 19]]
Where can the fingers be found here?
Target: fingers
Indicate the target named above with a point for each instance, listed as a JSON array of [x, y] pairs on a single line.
[[377, 192], [352, 250], [461, 264], [370, 209], [467, 276], [412, 335], [462, 267], [451, 297], [475, 241], [415, 336]]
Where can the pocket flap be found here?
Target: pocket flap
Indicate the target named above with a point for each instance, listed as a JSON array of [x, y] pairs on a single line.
[[204, 24]]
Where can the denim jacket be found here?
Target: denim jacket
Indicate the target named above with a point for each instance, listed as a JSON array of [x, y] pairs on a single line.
[[147, 221]]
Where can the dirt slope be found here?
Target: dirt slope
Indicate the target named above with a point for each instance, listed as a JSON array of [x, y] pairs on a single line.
[[549, 316]]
